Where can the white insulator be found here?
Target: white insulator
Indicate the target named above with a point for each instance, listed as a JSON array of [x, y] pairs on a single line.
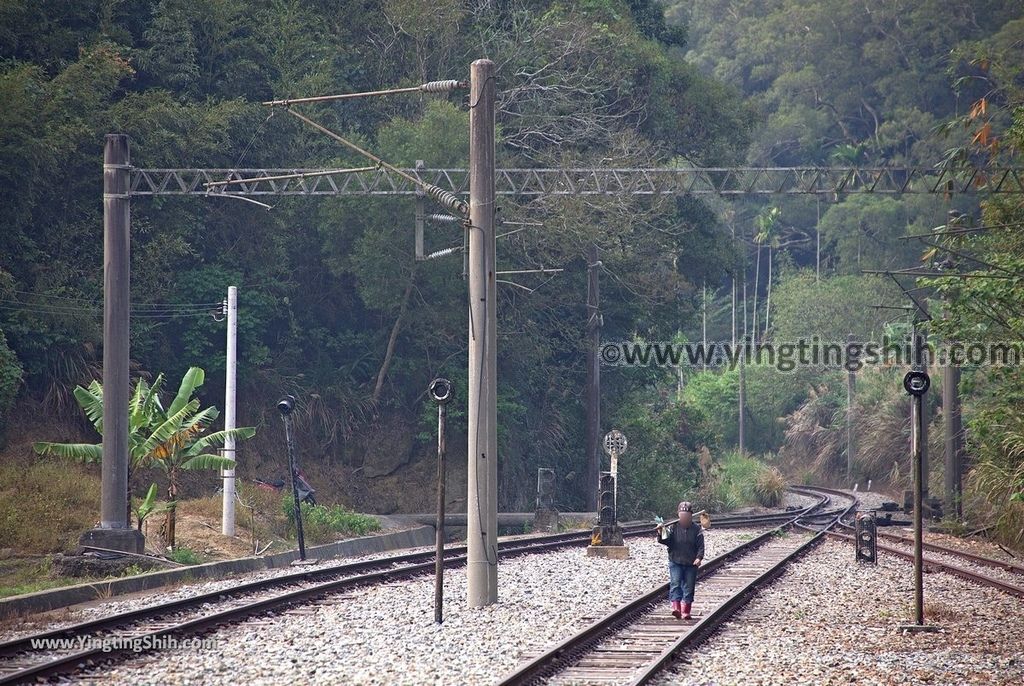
[[442, 253], [444, 218], [441, 86], [446, 198]]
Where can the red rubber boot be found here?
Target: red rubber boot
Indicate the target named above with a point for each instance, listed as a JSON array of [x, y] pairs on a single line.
[[686, 610], [677, 609]]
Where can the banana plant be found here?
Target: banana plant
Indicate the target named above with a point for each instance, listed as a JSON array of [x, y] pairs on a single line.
[[148, 506], [142, 409], [180, 442], [172, 439]]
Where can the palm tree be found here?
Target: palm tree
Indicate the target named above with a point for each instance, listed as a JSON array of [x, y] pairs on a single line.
[[170, 439]]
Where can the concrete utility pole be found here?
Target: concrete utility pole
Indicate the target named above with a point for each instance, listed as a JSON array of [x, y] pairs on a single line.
[[743, 374], [593, 438], [953, 428], [482, 501], [227, 525], [704, 319], [851, 386], [952, 422], [115, 529]]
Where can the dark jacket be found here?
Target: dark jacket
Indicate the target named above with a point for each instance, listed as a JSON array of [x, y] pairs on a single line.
[[684, 544]]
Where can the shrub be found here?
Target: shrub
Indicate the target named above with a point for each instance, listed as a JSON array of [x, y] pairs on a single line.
[[770, 487], [185, 556], [740, 480], [323, 523]]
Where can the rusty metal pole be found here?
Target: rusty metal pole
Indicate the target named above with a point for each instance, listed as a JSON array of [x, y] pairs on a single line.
[[851, 385], [952, 422], [482, 500], [924, 359], [293, 468], [916, 439], [442, 414], [952, 419]]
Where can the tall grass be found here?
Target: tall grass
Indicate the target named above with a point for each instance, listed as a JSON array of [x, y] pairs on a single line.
[[997, 480], [816, 432], [46, 505], [739, 480]]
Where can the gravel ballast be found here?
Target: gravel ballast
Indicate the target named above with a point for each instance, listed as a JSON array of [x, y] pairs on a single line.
[[385, 634], [63, 617], [828, 621]]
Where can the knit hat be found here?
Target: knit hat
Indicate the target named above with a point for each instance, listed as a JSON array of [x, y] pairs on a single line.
[[685, 506]]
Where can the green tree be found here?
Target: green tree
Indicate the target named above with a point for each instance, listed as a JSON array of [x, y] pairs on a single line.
[[10, 380]]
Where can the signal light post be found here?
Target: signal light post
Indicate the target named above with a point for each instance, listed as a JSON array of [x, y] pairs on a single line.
[[285, 406], [606, 539], [440, 392], [916, 383]]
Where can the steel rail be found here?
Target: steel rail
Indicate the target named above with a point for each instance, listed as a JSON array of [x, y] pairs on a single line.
[[1005, 565], [352, 575], [418, 563], [706, 626], [519, 546], [934, 565], [567, 650]]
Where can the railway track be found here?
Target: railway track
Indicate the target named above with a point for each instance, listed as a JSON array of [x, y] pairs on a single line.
[[105, 639], [931, 564], [1005, 565], [89, 644], [637, 640]]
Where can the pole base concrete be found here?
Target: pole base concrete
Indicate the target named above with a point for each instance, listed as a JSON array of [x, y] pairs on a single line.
[[919, 628], [125, 540], [610, 552]]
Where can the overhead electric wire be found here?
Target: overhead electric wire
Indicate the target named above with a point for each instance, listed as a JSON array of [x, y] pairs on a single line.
[[81, 306], [97, 302], [438, 194], [445, 86]]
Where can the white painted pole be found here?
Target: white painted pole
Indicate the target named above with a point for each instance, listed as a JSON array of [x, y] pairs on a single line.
[[228, 510], [615, 483]]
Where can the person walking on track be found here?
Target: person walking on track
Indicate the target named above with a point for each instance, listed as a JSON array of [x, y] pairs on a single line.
[[685, 541]]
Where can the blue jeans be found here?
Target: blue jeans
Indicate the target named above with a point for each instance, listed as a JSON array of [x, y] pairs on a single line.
[[681, 581]]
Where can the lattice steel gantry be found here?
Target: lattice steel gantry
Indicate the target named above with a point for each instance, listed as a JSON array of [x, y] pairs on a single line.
[[723, 181]]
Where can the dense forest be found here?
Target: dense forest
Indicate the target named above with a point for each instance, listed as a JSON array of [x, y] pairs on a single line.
[[334, 308]]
